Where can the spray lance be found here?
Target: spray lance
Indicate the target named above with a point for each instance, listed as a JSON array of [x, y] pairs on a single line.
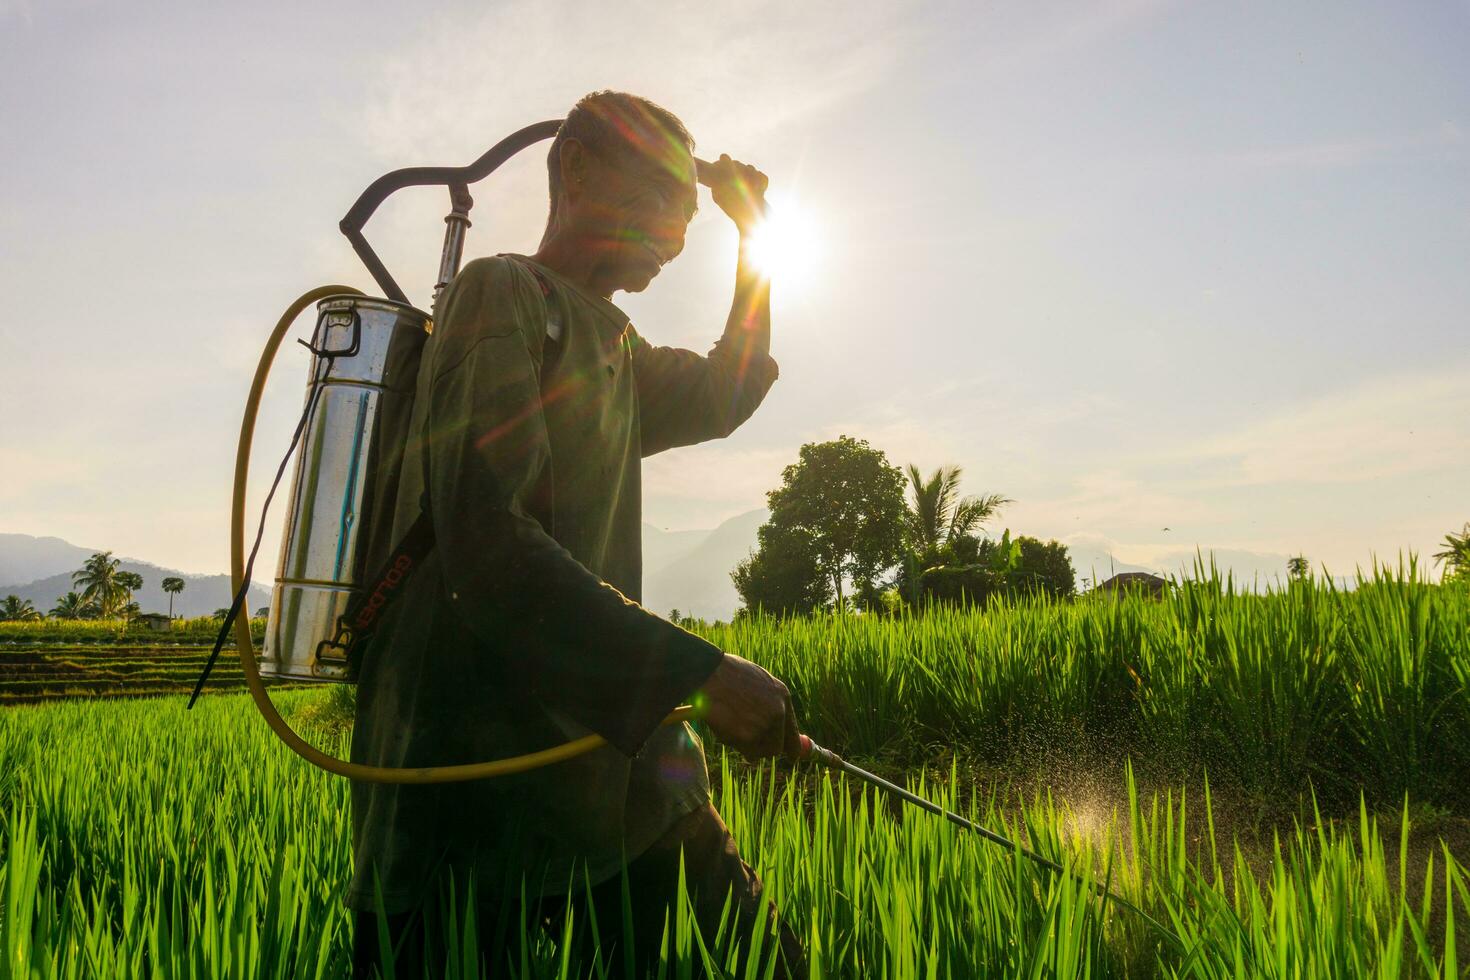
[[337, 570]]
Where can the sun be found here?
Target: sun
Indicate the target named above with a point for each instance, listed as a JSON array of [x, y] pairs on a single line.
[[785, 246]]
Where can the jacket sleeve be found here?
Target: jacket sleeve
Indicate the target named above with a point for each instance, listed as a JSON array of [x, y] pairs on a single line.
[[684, 398], [583, 646]]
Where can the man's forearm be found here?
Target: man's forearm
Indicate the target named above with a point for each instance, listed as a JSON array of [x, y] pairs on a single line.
[[749, 324]]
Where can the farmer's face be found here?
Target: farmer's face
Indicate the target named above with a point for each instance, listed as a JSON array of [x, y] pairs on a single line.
[[633, 208]]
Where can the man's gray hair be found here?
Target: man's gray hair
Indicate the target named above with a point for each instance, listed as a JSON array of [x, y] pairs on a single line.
[[613, 125]]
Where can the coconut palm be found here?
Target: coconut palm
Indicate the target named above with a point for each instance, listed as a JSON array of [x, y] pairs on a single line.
[[173, 586], [939, 515], [1298, 567], [98, 579], [18, 610], [70, 606], [1456, 554]]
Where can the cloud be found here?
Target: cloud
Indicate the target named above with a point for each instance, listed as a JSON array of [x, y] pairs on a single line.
[[1052, 32], [1399, 425], [727, 70]]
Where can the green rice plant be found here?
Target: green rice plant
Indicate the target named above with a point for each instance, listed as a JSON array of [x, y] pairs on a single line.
[[1408, 717], [197, 630], [137, 839], [1348, 691]]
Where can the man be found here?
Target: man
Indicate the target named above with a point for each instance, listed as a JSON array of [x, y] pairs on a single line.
[[536, 400]]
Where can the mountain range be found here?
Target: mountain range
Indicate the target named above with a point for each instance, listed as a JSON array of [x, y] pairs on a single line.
[[41, 569], [690, 570], [684, 570]]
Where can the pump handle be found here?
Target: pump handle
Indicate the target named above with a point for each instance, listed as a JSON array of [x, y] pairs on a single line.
[[456, 178]]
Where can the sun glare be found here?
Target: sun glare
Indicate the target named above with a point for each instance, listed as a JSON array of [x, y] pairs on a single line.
[[785, 245]]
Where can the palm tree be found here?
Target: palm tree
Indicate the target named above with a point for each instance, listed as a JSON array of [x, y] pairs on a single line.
[[173, 586], [1456, 554], [130, 582], [18, 610], [1298, 568], [99, 581], [939, 515], [70, 606]]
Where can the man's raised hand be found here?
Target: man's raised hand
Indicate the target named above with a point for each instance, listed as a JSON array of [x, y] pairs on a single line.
[[738, 188], [750, 710]]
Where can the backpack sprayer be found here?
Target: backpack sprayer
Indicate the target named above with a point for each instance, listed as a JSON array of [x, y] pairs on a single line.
[[337, 570]]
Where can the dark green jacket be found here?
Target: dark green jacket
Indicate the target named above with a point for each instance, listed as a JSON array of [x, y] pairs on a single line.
[[522, 628]]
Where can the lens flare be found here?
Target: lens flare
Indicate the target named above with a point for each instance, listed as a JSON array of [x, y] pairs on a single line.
[[785, 245]]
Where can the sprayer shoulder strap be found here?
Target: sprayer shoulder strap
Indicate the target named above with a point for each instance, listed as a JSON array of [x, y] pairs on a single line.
[[387, 581]]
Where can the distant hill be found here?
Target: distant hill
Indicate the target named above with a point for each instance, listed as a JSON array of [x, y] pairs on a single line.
[[24, 558], [660, 547], [690, 570], [42, 567], [1092, 563]]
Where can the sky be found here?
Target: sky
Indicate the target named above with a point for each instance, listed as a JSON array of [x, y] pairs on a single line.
[[1169, 275]]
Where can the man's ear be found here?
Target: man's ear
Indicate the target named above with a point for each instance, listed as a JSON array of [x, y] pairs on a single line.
[[574, 162]]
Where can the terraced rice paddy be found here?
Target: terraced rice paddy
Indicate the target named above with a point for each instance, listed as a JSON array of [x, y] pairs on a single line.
[[42, 661], [80, 671]]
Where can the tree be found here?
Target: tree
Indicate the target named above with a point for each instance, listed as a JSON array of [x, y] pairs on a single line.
[[173, 586], [782, 576], [99, 581], [842, 503], [18, 610], [1043, 566], [222, 612], [974, 570], [130, 582], [71, 606], [1298, 568], [939, 516], [1456, 555]]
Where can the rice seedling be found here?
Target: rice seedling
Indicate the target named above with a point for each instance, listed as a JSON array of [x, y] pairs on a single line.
[[139, 840], [136, 839], [1348, 691]]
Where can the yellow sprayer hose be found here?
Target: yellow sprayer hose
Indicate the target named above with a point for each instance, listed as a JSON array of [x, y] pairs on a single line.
[[352, 770]]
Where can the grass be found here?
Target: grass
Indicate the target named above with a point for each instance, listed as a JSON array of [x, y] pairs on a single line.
[[1329, 839], [198, 630], [1345, 691], [136, 839]]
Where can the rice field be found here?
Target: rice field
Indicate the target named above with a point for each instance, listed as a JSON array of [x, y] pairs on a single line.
[[1347, 691], [196, 631], [50, 659], [140, 840]]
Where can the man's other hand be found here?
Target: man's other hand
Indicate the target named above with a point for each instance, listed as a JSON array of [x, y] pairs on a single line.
[[750, 710], [738, 188]]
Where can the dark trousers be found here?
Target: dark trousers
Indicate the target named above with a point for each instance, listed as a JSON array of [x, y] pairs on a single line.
[[713, 870]]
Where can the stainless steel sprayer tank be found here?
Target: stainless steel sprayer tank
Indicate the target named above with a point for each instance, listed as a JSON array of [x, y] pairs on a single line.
[[359, 398]]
